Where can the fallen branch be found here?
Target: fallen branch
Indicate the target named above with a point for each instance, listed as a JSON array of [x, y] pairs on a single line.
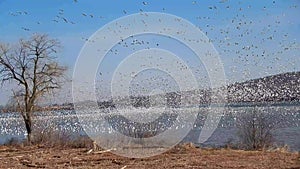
[[89, 151], [104, 151]]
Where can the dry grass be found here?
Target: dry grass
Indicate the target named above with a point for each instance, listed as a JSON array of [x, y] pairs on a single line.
[[184, 156]]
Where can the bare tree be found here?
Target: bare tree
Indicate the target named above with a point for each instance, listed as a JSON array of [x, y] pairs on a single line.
[[32, 64], [255, 129]]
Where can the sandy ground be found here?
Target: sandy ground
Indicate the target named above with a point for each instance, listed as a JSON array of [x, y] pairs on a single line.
[[183, 157]]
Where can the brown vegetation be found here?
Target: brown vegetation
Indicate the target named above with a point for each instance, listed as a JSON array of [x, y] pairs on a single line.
[[179, 157], [255, 130]]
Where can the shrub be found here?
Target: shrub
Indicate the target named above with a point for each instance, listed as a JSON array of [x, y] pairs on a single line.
[[13, 142], [255, 130], [48, 135]]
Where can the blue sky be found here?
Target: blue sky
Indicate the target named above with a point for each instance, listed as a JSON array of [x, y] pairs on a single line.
[[254, 38]]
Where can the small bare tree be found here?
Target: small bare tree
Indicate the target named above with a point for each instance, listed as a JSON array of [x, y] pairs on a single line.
[[255, 129], [32, 64]]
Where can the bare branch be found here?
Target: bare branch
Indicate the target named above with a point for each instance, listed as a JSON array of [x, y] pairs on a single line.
[[32, 64]]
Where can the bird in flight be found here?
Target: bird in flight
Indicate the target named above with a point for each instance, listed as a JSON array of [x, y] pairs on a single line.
[[223, 1], [25, 29], [65, 20]]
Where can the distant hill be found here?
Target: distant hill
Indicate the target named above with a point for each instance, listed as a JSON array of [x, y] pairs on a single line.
[[283, 87], [278, 88]]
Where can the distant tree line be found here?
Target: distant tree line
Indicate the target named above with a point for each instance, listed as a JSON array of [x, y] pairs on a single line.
[[173, 99]]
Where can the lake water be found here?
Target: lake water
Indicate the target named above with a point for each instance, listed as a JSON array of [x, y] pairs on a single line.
[[287, 119]]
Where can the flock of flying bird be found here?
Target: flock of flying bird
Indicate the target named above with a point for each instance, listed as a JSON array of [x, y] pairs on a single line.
[[232, 39], [61, 18]]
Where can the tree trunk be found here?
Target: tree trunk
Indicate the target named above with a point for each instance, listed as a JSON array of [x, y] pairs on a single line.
[[28, 125]]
